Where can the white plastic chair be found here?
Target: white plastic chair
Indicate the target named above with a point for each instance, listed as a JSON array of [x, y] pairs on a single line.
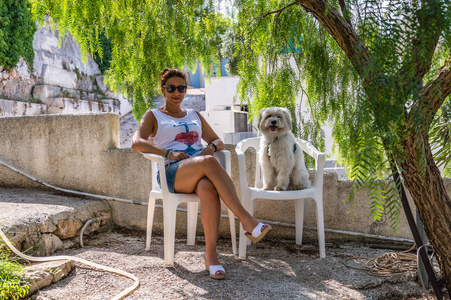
[[170, 203], [249, 194]]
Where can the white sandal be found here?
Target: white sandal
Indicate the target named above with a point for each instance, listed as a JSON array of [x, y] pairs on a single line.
[[213, 269], [258, 233]]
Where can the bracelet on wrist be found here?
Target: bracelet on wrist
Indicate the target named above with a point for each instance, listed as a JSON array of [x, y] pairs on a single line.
[[167, 153], [216, 148]]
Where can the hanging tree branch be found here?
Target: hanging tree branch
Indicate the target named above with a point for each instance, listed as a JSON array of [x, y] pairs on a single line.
[[279, 11], [342, 32], [344, 11]]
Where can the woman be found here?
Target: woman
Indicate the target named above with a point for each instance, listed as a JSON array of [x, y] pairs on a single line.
[[191, 168]]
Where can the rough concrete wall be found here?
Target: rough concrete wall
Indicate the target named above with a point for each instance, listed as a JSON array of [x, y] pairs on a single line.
[[65, 150], [80, 152]]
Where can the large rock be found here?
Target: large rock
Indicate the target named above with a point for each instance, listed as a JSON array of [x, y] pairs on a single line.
[[44, 91], [59, 77], [43, 274], [68, 228]]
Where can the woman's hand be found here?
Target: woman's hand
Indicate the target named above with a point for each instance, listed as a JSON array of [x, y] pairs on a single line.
[[174, 155], [209, 150]]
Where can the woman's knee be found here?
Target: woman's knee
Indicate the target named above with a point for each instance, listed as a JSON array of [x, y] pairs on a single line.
[[209, 162], [205, 186]]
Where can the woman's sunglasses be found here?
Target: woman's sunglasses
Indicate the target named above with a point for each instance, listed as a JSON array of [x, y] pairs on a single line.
[[171, 88]]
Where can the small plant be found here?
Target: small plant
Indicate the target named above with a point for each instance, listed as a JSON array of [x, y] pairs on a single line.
[[35, 100], [66, 94], [65, 67], [12, 285], [97, 90], [78, 73]]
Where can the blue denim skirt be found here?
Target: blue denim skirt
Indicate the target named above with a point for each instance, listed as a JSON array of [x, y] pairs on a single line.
[[171, 169]]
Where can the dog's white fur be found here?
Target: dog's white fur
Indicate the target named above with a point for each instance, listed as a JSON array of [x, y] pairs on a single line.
[[281, 167]]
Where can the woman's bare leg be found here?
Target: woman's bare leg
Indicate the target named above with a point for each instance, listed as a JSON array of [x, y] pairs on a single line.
[[210, 212], [192, 170]]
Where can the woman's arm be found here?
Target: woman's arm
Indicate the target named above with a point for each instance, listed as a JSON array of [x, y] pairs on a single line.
[[209, 136], [146, 128]]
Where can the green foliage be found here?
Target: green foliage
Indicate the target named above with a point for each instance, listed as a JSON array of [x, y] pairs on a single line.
[[367, 107], [11, 284], [230, 51], [145, 36], [16, 33], [103, 56]]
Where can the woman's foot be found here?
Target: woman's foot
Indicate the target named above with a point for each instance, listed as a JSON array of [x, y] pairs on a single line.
[[216, 271], [258, 233]]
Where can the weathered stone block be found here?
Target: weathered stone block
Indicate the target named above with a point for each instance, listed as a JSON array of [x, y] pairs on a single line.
[[68, 228], [11, 108], [111, 105], [54, 105], [100, 80], [59, 77], [43, 274], [43, 91], [47, 226], [51, 243]]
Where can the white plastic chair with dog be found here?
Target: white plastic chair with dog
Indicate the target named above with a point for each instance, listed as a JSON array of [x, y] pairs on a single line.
[[170, 204], [249, 194]]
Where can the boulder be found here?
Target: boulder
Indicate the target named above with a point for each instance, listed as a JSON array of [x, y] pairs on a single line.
[[68, 228], [59, 77]]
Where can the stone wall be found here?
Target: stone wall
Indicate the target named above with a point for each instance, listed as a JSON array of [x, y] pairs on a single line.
[[80, 152], [63, 53], [17, 83], [61, 80]]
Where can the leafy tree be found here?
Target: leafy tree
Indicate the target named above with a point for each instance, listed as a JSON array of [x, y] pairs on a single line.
[[16, 33], [378, 71]]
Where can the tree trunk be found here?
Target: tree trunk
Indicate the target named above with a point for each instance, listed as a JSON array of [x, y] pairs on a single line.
[[432, 201]]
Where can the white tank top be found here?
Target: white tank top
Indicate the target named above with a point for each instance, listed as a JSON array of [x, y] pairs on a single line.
[[179, 134]]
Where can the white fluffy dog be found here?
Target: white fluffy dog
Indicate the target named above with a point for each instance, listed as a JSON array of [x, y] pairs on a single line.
[[281, 158]]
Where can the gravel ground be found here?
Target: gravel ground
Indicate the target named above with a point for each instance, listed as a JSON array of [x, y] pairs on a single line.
[[273, 270]]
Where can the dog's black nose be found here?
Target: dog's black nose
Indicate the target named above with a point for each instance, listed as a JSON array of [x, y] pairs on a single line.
[[273, 122]]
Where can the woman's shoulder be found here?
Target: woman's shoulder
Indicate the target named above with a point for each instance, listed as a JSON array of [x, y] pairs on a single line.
[[149, 115]]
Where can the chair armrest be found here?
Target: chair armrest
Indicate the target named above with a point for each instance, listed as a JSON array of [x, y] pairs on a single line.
[[319, 157], [157, 161], [225, 159], [240, 148], [155, 158]]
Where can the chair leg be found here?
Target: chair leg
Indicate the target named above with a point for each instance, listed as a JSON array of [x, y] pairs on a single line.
[[232, 231], [299, 219], [251, 211], [150, 214], [243, 243], [169, 214], [320, 225], [192, 222]]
